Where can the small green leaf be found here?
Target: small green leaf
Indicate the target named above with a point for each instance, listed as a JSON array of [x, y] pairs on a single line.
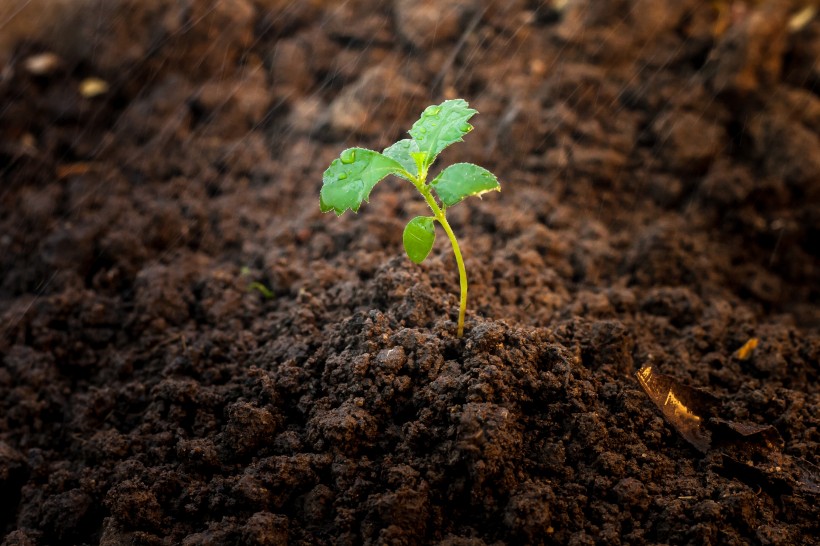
[[266, 292], [463, 180], [441, 125], [402, 151], [419, 236], [350, 179], [420, 158]]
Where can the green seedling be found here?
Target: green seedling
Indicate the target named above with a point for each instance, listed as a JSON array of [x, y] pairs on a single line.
[[347, 183], [266, 292], [257, 286]]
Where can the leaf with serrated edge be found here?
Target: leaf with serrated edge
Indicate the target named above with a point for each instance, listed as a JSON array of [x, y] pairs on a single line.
[[350, 179], [462, 180], [402, 152], [441, 125], [418, 238]]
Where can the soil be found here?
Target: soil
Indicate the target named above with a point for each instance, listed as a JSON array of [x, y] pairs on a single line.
[[660, 166]]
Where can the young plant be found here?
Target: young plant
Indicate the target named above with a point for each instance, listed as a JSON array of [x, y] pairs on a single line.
[[350, 179]]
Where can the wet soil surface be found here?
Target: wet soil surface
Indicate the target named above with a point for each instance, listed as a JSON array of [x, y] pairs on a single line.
[[660, 167]]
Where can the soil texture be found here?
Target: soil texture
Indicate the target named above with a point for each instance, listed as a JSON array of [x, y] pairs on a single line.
[[191, 353]]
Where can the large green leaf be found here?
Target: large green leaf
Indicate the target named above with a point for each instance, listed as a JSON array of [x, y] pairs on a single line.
[[419, 236], [350, 179], [441, 125], [462, 180], [402, 152]]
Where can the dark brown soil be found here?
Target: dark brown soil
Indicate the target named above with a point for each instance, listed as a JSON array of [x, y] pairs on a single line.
[[660, 165]]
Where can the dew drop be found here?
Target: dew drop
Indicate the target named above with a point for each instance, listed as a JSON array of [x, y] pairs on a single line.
[[434, 111], [348, 156], [342, 176], [465, 128], [422, 130], [354, 187]]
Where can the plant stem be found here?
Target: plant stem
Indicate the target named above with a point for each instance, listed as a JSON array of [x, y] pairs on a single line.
[[462, 271]]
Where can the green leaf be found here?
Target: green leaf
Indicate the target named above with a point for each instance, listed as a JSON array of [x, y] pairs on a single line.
[[402, 151], [441, 125], [462, 180], [419, 236], [266, 292], [350, 179]]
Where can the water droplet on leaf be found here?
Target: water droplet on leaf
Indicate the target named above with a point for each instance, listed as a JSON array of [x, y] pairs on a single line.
[[348, 157], [465, 128], [434, 111], [356, 186], [342, 176]]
